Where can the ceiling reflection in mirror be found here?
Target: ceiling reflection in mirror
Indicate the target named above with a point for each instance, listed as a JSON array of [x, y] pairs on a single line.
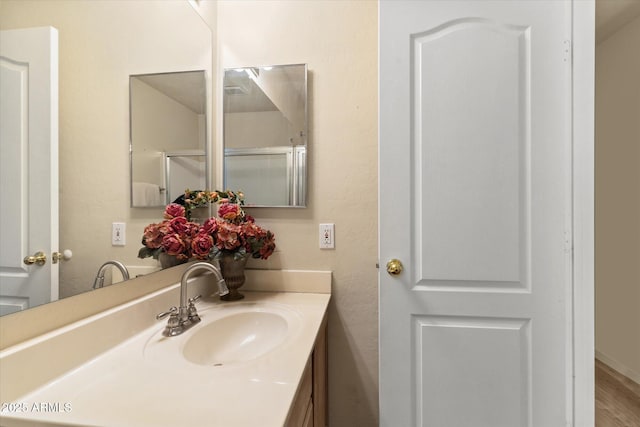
[[168, 136], [101, 44], [265, 134]]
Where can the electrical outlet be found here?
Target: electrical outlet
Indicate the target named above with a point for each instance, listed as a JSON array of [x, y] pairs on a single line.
[[327, 236], [118, 233]]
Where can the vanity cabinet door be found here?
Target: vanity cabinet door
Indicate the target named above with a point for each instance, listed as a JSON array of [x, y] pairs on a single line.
[[309, 408], [320, 390], [308, 418], [299, 409]]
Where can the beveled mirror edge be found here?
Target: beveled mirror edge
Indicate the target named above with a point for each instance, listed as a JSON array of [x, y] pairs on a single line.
[[220, 149]]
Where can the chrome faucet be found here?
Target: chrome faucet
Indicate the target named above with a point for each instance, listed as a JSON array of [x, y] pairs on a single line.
[[181, 319], [99, 280]]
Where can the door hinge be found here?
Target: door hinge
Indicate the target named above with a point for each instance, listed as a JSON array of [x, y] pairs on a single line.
[[566, 51], [568, 242]]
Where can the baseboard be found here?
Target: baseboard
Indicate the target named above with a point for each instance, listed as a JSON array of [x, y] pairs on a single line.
[[618, 367]]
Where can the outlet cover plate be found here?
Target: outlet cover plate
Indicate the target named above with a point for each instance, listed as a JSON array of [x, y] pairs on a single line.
[[327, 236]]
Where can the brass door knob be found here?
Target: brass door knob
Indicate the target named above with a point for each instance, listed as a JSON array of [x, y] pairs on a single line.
[[394, 267], [38, 258]]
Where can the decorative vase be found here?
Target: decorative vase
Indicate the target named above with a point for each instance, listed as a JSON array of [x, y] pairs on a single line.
[[233, 273], [167, 261]]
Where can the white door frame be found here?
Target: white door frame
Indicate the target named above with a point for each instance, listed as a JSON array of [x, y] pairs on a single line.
[[583, 211]]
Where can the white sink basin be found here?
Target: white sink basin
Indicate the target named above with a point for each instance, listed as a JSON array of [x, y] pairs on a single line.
[[228, 336], [238, 337]]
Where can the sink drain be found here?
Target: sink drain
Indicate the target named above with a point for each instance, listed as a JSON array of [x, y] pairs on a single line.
[[217, 364]]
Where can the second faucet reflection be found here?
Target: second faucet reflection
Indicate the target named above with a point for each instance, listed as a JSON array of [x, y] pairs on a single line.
[[99, 280]]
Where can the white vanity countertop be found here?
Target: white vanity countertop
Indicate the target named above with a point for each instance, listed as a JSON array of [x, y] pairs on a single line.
[[130, 385]]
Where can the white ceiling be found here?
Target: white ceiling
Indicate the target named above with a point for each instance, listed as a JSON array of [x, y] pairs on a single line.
[[187, 88], [611, 15]]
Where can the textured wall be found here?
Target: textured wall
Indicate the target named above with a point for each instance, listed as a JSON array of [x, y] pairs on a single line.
[[338, 41]]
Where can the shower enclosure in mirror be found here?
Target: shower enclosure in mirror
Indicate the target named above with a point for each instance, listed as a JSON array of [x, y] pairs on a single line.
[[168, 136], [265, 134]]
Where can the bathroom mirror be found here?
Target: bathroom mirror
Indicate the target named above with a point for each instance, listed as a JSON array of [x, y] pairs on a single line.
[[102, 43], [265, 134], [168, 125]]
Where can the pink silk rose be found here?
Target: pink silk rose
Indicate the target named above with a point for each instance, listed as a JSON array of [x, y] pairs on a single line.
[[267, 249], [250, 229], [174, 210], [210, 226], [229, 211], [192, 229], [228, 236], [174, 245], [201, 245], [153, 234], [179, 225]]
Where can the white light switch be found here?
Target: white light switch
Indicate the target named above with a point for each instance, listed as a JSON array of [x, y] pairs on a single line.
[[118, 233], [327, 236]]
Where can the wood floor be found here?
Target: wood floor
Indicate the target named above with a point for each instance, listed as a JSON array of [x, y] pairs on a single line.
[[617, 399]]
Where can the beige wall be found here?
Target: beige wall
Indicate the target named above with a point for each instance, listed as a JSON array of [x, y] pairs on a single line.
[[618, 200], [338, 41]]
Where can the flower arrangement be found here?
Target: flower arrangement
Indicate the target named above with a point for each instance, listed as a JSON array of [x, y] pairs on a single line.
[[233, 232]]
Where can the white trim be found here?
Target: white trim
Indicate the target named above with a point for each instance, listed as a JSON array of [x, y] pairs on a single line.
[[583, 211], [619, 367], [54, 61]]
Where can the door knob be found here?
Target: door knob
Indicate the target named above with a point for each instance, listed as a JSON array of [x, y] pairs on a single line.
[[38, 258], [61, 256], [394, 267]]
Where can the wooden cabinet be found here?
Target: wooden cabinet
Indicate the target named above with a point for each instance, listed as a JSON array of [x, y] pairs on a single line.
[[320, 393], [309, 408]]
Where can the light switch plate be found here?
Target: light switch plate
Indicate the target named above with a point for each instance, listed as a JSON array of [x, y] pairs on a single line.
[[118, 233]]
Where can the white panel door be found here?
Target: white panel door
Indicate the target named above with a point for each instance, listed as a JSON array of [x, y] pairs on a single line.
[[475, 201], [28, 166]]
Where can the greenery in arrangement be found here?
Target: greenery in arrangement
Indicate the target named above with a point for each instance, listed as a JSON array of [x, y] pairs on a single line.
[[199, 199], [232, 232]]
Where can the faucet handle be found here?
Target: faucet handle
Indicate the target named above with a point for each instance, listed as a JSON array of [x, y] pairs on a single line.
[[172, 310], [192, 311], [174, 327]]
